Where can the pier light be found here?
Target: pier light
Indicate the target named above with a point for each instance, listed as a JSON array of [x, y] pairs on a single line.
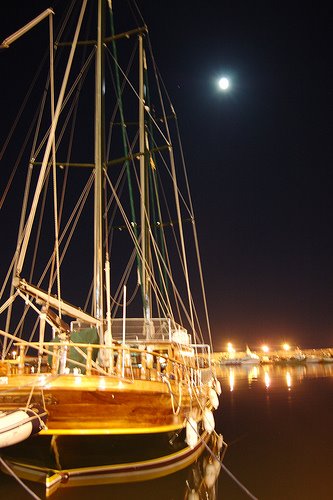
[[230, 348], [265, 348], [286, 347]]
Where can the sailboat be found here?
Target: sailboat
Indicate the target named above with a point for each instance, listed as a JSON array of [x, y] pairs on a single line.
[[100, 332], [250, 358]]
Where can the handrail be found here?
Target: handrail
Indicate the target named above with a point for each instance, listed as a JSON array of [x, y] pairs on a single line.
[[152, 365]]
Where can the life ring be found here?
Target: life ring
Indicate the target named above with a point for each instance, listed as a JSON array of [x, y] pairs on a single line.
[[18, 425]]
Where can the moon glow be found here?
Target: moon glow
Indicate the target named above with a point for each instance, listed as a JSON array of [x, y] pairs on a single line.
[[224, 83]]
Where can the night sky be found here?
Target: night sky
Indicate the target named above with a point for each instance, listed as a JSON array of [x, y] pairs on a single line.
[[259, 157]]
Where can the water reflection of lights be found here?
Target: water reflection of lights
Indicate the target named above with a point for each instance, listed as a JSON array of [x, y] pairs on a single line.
[[267, 380], [271, 376], [253, 374], [231, 379]]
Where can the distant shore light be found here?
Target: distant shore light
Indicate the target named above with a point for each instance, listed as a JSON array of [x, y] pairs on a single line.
[[230, 347], [224, 83]]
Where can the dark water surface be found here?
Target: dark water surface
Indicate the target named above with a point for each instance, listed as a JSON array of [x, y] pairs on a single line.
[[278, 424]]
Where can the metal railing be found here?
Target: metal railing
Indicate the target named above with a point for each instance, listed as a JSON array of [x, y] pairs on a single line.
[[144, 362]]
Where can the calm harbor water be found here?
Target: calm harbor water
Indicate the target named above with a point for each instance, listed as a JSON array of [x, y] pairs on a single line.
[[277, 422]]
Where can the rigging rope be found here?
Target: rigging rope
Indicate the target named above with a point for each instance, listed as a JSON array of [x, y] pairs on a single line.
[[12, 473], [230, 474], [179, 404]]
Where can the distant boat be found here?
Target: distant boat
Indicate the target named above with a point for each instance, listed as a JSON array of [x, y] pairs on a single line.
[[231, 362], [327, 359], [250, 358], [129, 359], [313, 358], [295, 357], [298, 356]]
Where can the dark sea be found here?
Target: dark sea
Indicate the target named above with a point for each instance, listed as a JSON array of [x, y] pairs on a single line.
[[277, 421]]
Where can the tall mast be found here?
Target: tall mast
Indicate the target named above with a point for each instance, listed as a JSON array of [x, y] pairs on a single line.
[[143, 186], [99, 161]]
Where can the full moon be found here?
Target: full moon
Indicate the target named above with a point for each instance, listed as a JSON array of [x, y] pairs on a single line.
[[224, 83]]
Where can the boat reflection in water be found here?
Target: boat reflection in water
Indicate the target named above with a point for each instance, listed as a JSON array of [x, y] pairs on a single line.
[[196, 481], [203, 475]]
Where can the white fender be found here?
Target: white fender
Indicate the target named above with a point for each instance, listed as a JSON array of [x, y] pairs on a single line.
[[217, 466], [210, 475], [219, 442], [208, 421], [213, 398], [191, 432], [193, 495], [149, 358], [18, 425], [217, 387]]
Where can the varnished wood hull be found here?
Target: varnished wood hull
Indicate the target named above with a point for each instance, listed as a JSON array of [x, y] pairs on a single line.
[[104, 405]]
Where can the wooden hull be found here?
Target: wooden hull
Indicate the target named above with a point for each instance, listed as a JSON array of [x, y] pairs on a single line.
[[93, 404]]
